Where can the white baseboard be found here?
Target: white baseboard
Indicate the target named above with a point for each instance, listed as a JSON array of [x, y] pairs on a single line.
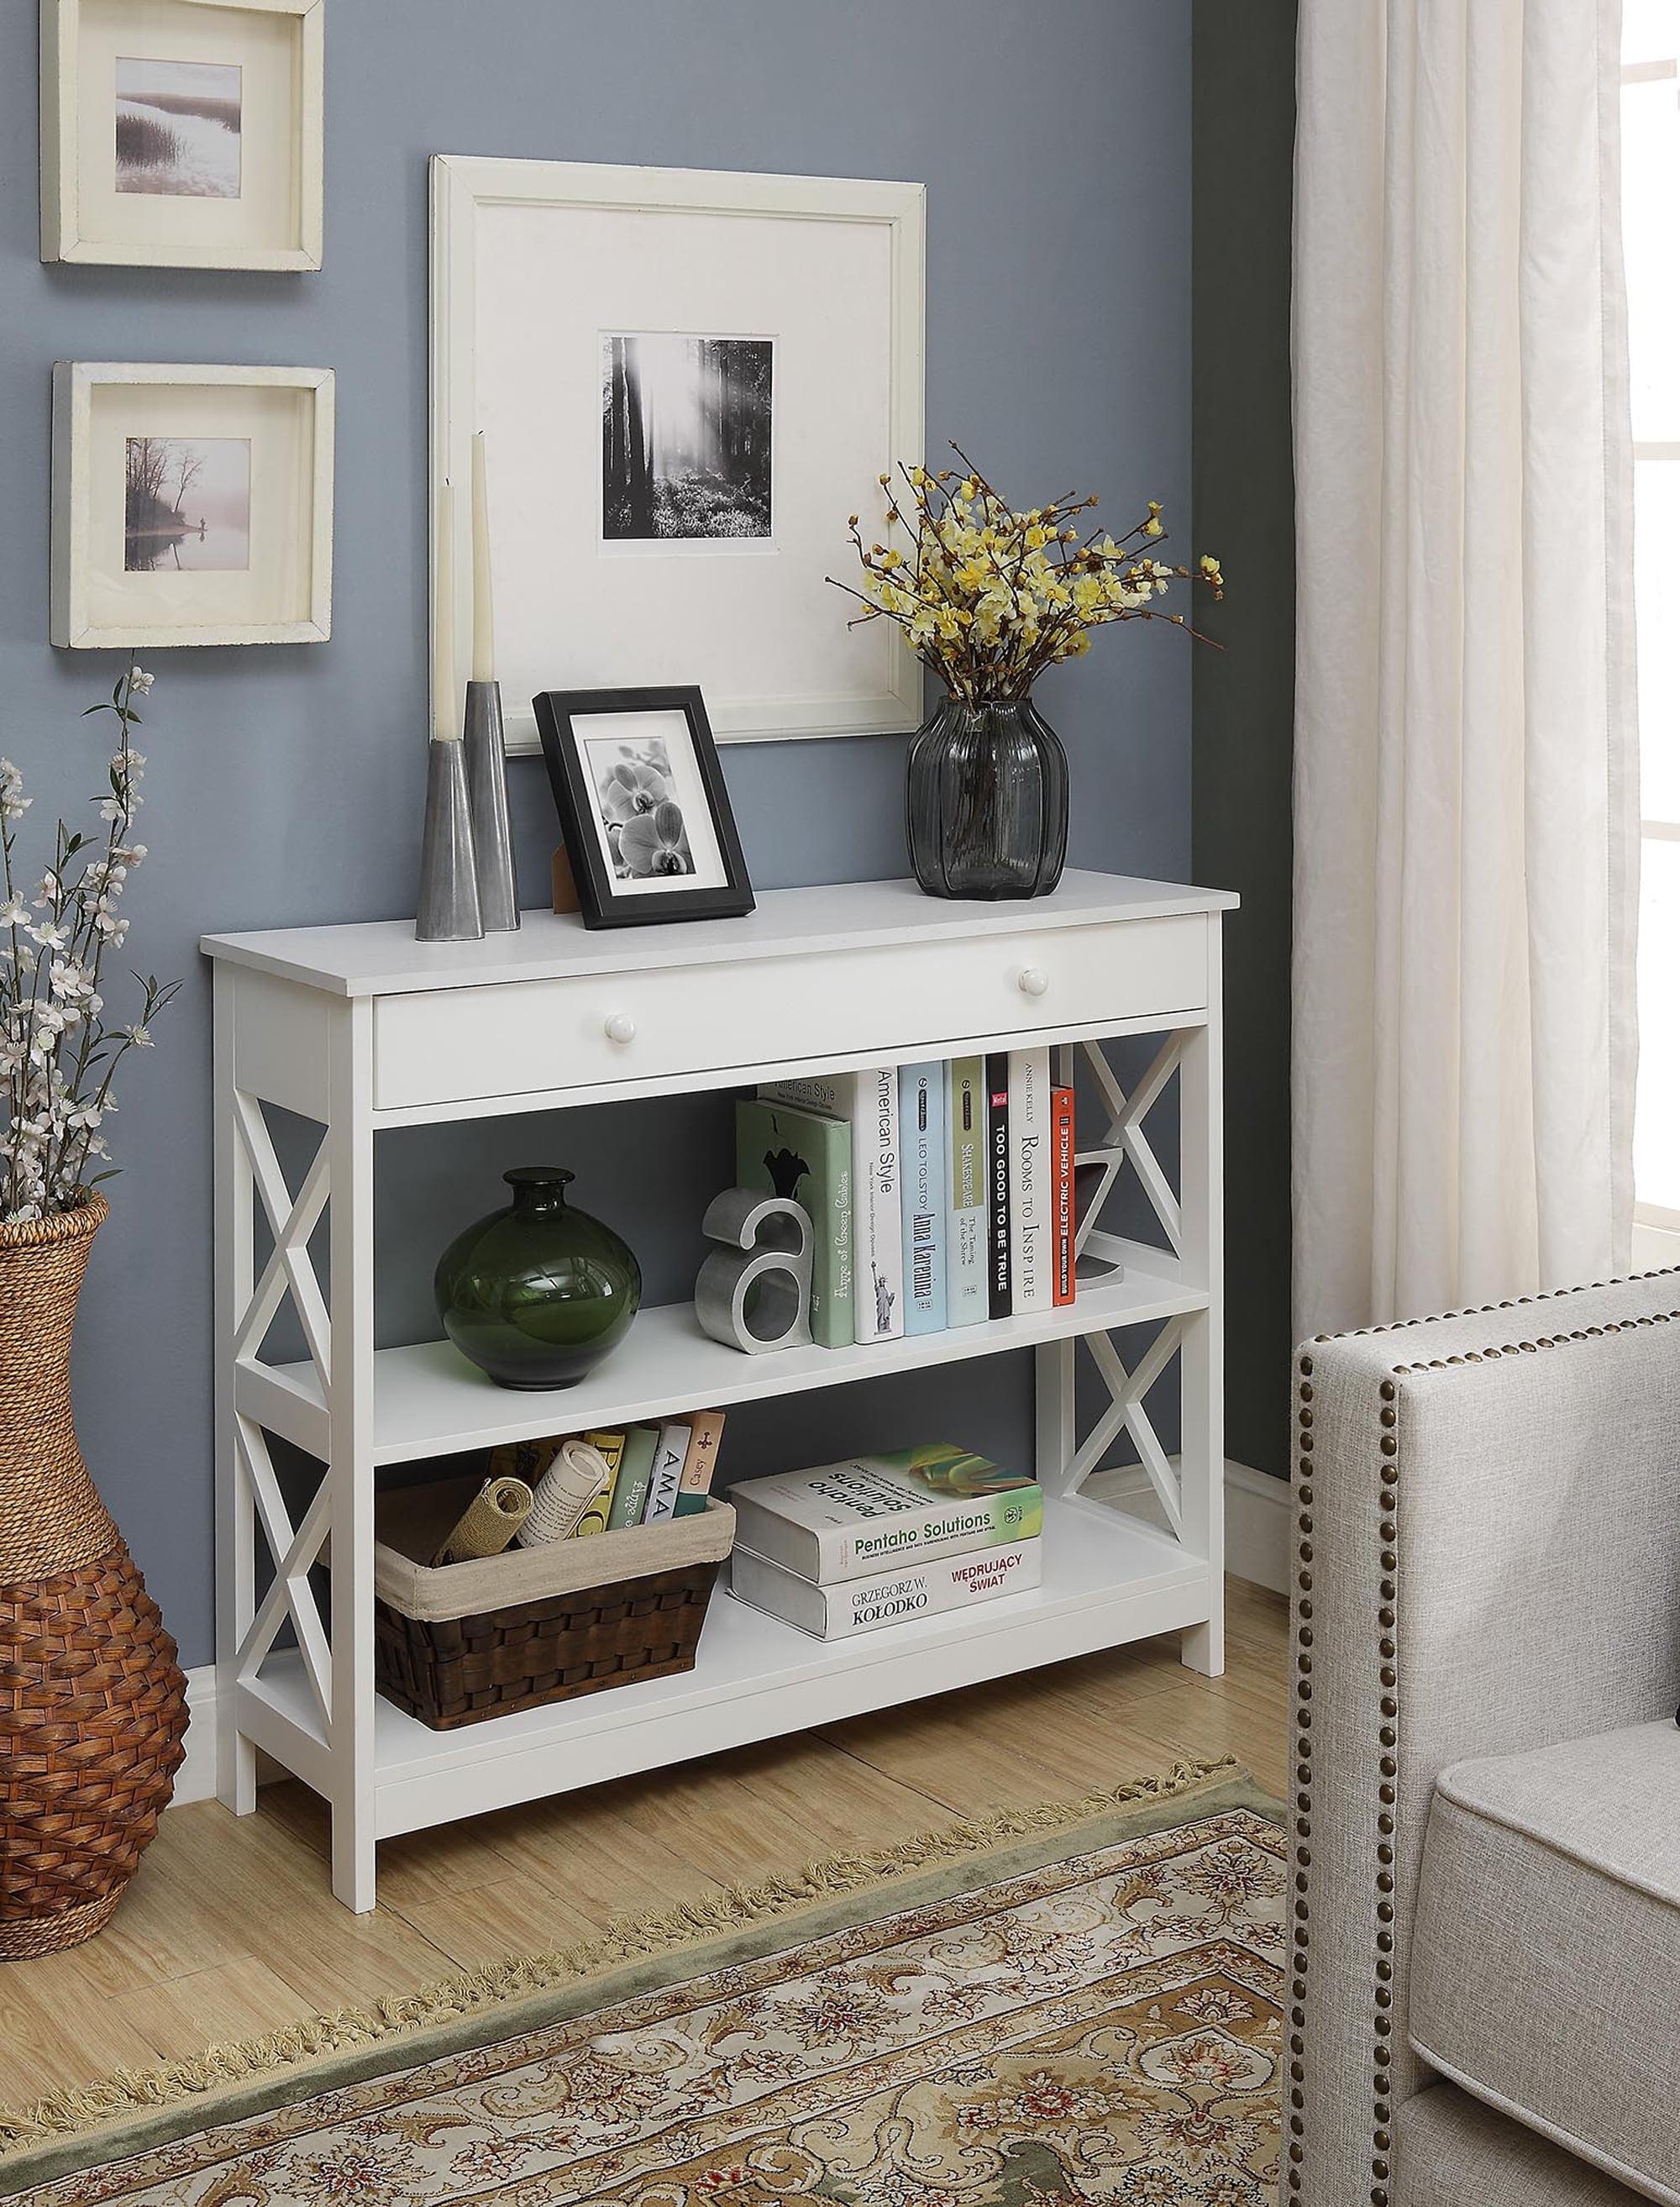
[[195, 1780], [1257, 1517], [1256, 1526], [1257, 1547]]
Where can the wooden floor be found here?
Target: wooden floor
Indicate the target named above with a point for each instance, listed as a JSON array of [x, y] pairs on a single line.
[[230, 1929]]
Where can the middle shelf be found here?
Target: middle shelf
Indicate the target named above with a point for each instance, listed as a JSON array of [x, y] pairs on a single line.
[[428, 1400]]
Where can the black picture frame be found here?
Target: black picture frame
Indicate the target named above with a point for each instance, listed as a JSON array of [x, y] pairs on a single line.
[[602, 902]]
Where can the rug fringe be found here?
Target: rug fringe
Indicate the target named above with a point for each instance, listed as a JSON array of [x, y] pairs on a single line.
[[125, 2091]]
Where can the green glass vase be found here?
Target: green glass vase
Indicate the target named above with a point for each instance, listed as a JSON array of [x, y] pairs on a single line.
[[537, 1293]]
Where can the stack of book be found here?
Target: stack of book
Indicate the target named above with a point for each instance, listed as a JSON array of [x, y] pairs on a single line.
[[653, 1472], [851, 1547], [942, 1194]]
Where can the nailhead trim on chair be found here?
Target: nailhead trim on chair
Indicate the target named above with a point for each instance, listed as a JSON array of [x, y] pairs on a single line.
[[1511, 1303], [1303, 1745], [1491, 1354], [1388, 1734]]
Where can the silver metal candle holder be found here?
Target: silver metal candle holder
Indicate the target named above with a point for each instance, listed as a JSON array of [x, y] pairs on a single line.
[[449, 907], [486, 797]]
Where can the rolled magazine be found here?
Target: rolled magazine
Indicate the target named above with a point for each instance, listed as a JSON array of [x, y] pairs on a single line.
[[571, 1484]]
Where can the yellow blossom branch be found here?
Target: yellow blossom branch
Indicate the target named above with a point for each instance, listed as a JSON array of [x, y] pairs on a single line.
[[989, 595]]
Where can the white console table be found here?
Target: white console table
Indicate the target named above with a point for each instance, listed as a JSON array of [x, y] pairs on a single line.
[[362, 1028]]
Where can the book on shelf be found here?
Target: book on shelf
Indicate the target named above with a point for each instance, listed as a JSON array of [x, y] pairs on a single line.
[[523, 1460], [869, 1102], [652, 1473], [636, 1473], [965, 1217], [1030, 1150], [999, 1302], [563, 1480], [921, 1134], [1062, 1146], [841, 1519], [923, 1588], [785, 1149], [610, 1446], [701, 1462], [670, 1455]]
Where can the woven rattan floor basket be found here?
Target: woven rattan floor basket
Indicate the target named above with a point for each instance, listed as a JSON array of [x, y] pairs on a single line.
[[471, 1641], [92, 1704]]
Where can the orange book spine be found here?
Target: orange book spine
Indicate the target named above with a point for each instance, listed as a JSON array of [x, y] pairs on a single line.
[[700, 1468], [1061, 1192]]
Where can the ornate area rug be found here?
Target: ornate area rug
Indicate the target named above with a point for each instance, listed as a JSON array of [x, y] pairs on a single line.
[[1080, 2003]]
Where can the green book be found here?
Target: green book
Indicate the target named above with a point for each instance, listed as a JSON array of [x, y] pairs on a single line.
[[635, 1469], [966, 1299], [780, 1149]]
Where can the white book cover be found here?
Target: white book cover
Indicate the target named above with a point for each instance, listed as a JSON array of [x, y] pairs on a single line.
[[877, 1274], [966, 1299], [867, 1604], [869, 1101], [841, 1520], [1032, 1205], [667, 1482]]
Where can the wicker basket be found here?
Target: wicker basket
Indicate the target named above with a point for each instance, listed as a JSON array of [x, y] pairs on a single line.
[[455, 1645]]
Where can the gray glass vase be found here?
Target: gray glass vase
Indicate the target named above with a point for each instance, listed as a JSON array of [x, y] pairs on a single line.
[[986, 802]]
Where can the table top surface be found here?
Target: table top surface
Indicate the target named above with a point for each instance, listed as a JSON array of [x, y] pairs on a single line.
[[380, 958]]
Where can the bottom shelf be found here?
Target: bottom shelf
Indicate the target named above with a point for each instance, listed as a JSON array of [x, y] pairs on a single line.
[[1107, 1579]]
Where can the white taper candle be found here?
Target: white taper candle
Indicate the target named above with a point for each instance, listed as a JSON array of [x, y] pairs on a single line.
[[484, 619], [445, 704]]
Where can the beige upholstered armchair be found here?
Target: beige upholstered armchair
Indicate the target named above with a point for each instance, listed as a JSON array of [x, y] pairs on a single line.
[[1485, 1768]]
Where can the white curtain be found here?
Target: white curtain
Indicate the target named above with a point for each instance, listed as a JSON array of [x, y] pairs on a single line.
[[1466, 765]]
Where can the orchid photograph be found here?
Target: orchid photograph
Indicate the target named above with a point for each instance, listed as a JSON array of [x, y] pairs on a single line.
[[639, 813], [642, 805], [651, 822]]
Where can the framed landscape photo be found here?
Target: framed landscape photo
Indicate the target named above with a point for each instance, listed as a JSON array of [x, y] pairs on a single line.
[[183, 134], [686, 382], [190, 505], [643, 807]]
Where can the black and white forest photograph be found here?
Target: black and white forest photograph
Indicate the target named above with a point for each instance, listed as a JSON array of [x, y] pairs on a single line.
[[685, 437]]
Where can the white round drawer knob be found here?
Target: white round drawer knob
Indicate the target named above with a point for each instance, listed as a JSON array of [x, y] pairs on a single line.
[[620, 1027], [1032, 981]]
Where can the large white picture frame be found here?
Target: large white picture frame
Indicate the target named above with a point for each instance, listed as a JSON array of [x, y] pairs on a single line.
[[190, 505], [183, 134], [798, 301]]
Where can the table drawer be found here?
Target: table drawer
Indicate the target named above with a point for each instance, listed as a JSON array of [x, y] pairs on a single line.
[[456, 1045]]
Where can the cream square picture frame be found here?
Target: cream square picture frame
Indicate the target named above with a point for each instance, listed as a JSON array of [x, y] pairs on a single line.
[[776, 323], [183, 134], [190, 505]]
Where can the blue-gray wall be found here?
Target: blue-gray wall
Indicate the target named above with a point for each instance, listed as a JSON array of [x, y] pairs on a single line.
[[1243, 79], [1053, 137]]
